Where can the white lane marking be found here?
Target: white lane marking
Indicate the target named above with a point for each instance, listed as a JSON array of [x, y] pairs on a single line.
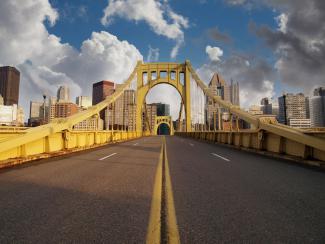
[[107, 156], [135, 144], [216, 155], [191, 144]]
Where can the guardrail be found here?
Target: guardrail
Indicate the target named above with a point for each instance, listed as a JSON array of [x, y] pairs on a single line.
[[59, 143], [264, 141]]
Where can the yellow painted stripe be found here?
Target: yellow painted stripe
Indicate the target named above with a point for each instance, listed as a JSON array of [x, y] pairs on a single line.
[[154, 228], [173, 233], [153, 232]]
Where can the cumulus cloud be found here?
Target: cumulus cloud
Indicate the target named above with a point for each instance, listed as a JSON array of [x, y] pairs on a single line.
[[46, 63], [102, 56], [214, 53], [299, 41], [255, 76], [157, 14]]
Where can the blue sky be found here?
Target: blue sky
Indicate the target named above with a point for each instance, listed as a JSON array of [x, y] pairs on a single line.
[[268, 46], [74, 26]]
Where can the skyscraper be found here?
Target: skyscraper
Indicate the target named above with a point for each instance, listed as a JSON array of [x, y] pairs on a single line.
[[317, 108], [234, 93], [63, 94], [101, 90], [35, 113], [163, 109], [293, 107], [83, 101], [266, 107], [9, 84], [229, 93]]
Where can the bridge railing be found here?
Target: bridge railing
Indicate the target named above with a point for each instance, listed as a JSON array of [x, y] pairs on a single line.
[[316, 143], [62, 142], [265, 142], [54, 137]]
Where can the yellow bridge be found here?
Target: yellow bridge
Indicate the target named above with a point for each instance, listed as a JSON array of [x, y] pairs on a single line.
[[18, 145]]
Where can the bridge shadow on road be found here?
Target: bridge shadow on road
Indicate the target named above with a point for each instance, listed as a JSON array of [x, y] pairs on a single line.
[[35, 213]]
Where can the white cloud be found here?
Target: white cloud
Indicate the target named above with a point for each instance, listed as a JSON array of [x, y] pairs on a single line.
[[214, 53], [255, 79], [152, 12], [282, 21], [43, 80], [45, 62], [102, 56]]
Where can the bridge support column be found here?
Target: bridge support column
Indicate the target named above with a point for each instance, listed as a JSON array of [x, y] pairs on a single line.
[[188, 99]]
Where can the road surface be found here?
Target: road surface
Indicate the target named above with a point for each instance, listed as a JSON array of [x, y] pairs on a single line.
[[220, 195]]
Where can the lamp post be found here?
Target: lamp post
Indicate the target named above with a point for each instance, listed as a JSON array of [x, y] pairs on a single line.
[[44, 108]]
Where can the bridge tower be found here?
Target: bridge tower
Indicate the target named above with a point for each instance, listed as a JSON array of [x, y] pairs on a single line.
[[174, 74]]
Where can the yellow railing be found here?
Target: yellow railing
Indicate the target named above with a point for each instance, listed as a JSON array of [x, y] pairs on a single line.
[[265, 142], [61, 143], [278, 129]]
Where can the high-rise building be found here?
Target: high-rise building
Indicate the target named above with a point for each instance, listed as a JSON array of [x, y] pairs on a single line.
[[101, 90], [83, 101], [12, 115], [65, 109], [151, 113], [9, 85], [121, 114], [35, 113], [266, 107], [292, 107], [63, 94], [163, 109], [317, 108], [229, 93], [234, 93]]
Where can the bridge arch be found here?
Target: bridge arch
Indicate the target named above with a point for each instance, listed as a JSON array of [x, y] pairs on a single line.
[[164, 120], [159, 127], [151, 74]]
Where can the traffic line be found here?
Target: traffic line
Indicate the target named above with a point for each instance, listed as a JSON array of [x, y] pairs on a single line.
[[191, 144], [135, 144], [162, 226], [216, 155], [107, 156]]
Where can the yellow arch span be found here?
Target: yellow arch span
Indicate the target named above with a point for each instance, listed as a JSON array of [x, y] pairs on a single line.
[[151, 74], [164, 120]]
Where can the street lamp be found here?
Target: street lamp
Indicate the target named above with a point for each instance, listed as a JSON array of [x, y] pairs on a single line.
[[44, 107]]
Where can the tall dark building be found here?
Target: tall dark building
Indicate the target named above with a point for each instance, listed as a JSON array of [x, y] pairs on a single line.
[[101, 90], [9, 84], [266, 107], [163, 109]]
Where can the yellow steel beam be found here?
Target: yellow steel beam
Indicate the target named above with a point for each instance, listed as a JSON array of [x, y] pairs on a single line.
[[65, 123], [281, 130]]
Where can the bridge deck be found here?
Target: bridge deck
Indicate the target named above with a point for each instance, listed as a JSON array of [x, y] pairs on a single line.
[[220, 195]]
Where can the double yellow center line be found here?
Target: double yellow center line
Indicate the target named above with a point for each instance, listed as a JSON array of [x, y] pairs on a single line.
[[162, 227]]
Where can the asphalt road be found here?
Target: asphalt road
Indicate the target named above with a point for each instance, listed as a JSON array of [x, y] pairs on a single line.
[[221, 195], [81, 199]]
